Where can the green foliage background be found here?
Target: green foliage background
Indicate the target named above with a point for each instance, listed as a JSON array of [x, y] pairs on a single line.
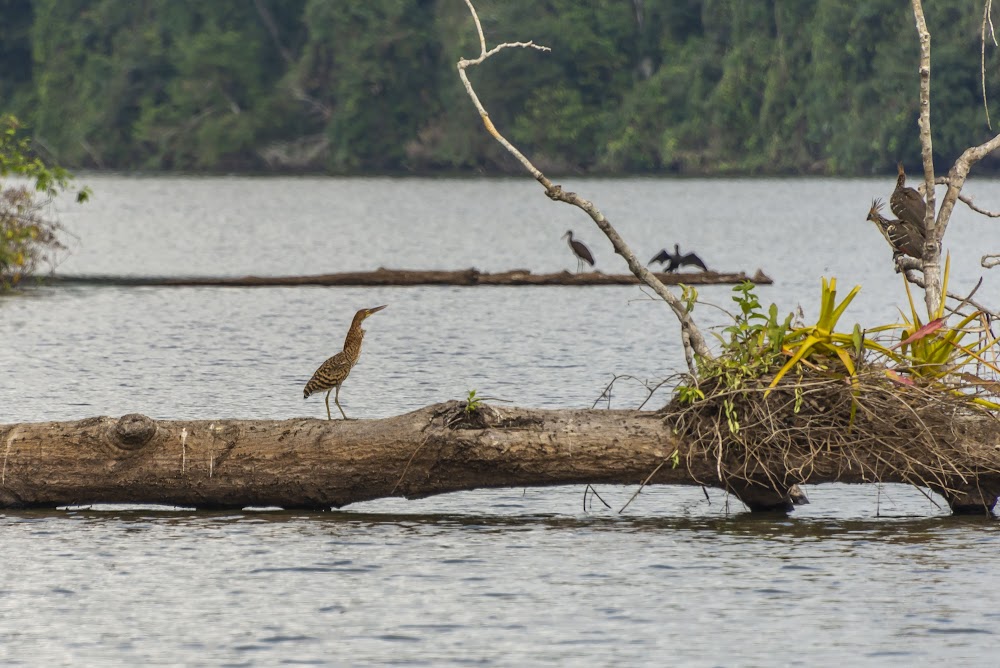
[[634, 86]]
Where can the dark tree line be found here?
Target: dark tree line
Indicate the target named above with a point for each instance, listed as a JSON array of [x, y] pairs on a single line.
[[686, 86]]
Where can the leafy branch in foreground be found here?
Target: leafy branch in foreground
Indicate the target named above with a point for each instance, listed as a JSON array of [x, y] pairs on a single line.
[[28, 236]]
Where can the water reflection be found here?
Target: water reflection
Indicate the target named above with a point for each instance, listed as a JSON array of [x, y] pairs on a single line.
[[492, 577]]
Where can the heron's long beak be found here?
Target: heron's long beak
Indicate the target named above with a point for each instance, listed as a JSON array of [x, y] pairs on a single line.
[[376, 309]]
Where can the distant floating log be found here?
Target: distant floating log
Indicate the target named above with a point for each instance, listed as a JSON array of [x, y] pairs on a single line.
[[409, 277]]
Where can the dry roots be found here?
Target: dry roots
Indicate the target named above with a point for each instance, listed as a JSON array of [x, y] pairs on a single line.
[[804, 430]]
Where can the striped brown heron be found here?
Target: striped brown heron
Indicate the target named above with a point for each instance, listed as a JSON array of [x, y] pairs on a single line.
[[903, 236], [581, 252], [332, 373]]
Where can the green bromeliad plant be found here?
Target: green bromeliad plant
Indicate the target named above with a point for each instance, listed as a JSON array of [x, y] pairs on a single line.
[[935, 355], [805, 344], [931, 354], [759, 343]]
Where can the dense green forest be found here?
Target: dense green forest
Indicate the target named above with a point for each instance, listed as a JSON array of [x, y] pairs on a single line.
[[633, 86]]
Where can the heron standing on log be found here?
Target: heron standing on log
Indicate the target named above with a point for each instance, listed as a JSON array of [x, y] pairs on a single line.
[[333, 372], [581, 252], [675, 260]]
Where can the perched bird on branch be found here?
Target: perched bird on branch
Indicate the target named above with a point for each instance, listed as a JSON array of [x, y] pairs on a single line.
[[581, 252], [333, 372], [904, 237], [906, 203], [675, 260]]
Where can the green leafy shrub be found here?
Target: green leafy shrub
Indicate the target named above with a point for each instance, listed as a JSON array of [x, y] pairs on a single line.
[[28, 236]]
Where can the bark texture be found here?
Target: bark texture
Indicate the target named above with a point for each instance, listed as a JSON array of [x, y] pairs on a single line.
[[309, 463]]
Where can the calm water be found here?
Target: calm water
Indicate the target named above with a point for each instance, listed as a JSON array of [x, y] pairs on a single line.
[[517, 577]]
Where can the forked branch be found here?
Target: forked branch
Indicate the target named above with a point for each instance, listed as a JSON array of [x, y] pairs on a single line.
[[690, 334], [956, 176], [979, 210], [966, 199]]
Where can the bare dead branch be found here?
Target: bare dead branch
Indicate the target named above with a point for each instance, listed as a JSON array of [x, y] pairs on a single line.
[[990, 261], [650, 388], [985, 212], [967, 199], [956, 178], [987, 20], [967, 299], [918, 280], [690, 334], [932, 245]]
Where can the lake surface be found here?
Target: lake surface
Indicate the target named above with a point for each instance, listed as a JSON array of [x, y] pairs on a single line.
[[877, 576]]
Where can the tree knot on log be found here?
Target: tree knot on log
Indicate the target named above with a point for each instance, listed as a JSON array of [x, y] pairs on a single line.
[[132, 431], [458, 415]]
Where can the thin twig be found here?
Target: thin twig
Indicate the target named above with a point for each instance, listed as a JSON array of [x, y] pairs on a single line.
[[918, 280], [653, 391], [648, 478], [408, 462], [928, 497], [650, 390], [594, 491], [967, 200]]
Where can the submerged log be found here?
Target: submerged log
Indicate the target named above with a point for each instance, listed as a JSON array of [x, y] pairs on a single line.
[[319, 464], [408, 277]]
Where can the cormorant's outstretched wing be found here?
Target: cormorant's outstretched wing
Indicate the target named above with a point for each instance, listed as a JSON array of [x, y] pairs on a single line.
[[693, 260], [661, 257]]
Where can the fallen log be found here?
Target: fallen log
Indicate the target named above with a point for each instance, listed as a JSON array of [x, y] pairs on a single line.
[[408, 277], [319, 464]]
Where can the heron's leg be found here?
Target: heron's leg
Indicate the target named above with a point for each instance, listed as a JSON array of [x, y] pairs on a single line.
[[328, 405], [336, 400]]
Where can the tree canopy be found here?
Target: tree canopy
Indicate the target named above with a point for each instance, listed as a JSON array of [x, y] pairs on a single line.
[[682, 86]]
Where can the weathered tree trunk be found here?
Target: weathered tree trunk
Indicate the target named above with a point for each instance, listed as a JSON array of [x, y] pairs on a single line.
[[308, 463]]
